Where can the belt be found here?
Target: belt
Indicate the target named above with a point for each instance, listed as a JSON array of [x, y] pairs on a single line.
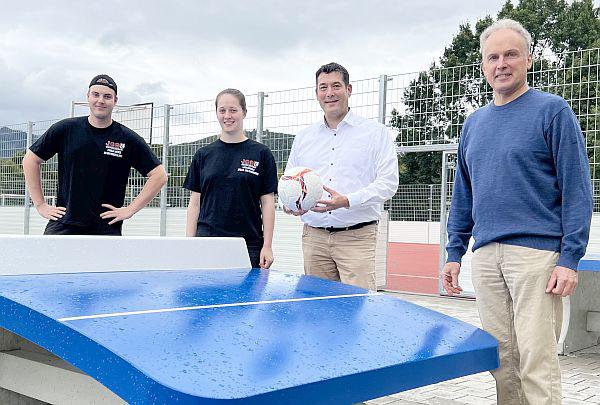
[[348, 228]]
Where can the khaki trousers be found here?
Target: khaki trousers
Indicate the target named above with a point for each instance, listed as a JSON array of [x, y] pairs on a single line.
[[346, 256], [510, 284]]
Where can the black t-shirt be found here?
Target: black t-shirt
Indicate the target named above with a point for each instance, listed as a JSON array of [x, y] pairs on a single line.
[[93, 165], [231, 178]]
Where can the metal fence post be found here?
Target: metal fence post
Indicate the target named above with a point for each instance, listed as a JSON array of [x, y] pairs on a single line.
[[430, 202], [443, 216], [165, 162], [260, 116], [383, 79], [26, 203]]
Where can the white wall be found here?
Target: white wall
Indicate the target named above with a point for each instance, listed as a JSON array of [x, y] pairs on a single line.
[[429, 232], [287, 246], [414, 232], [287, 242]]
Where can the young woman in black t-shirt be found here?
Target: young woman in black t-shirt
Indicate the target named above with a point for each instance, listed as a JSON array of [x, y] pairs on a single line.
[[232, 183]]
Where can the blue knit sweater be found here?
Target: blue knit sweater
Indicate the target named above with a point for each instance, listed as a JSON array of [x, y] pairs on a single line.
[[522, 179]]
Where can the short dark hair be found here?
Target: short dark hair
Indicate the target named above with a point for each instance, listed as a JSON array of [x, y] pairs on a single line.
[[235, 93], [333, 67]]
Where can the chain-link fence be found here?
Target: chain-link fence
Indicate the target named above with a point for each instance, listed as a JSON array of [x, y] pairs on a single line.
[[12, 145], [424, 110], [415, 202]]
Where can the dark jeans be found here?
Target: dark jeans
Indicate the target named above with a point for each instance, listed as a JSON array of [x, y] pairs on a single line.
[[254, 253], [58, 228], [253, 247]]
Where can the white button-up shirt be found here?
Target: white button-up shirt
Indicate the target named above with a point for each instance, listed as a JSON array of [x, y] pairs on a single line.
[[357, 159]]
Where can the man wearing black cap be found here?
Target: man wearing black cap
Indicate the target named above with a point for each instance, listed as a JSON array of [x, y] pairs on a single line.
[[95, 155]]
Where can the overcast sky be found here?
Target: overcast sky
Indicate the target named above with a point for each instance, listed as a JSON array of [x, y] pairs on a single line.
[[182, 51]]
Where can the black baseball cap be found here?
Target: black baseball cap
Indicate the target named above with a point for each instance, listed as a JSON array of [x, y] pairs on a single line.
[[104, 80]]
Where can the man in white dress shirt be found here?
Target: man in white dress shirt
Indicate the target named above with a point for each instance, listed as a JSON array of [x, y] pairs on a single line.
[[356, 159]]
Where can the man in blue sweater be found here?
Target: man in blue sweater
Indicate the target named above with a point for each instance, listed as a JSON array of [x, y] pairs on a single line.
[[522, 190]]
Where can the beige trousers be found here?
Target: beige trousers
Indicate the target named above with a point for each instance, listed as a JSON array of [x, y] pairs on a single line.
[[510, 284], [346, 256]]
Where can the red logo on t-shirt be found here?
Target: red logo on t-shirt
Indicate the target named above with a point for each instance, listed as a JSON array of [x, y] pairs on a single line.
[[248, 166], [114, 148]]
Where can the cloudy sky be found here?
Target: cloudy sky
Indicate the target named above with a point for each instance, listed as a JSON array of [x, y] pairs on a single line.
[[180, 51]]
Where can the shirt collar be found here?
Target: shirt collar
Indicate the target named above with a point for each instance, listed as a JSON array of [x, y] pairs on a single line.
[[349, 119]]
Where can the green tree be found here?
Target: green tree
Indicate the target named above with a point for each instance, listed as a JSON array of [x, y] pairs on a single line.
[[438, 100]]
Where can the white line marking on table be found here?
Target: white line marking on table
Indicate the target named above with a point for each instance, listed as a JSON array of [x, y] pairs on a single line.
[[235, 304]]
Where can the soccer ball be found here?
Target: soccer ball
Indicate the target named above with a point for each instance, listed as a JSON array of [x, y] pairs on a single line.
[[299, 188]]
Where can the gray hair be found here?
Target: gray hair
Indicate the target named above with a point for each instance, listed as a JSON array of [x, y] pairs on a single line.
[[505, 24]]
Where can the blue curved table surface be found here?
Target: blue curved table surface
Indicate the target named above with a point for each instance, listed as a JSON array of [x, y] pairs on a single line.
[[589, 262], [239, 336]]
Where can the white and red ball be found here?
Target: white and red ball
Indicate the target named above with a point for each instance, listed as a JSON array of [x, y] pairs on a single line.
[[299, 188]]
